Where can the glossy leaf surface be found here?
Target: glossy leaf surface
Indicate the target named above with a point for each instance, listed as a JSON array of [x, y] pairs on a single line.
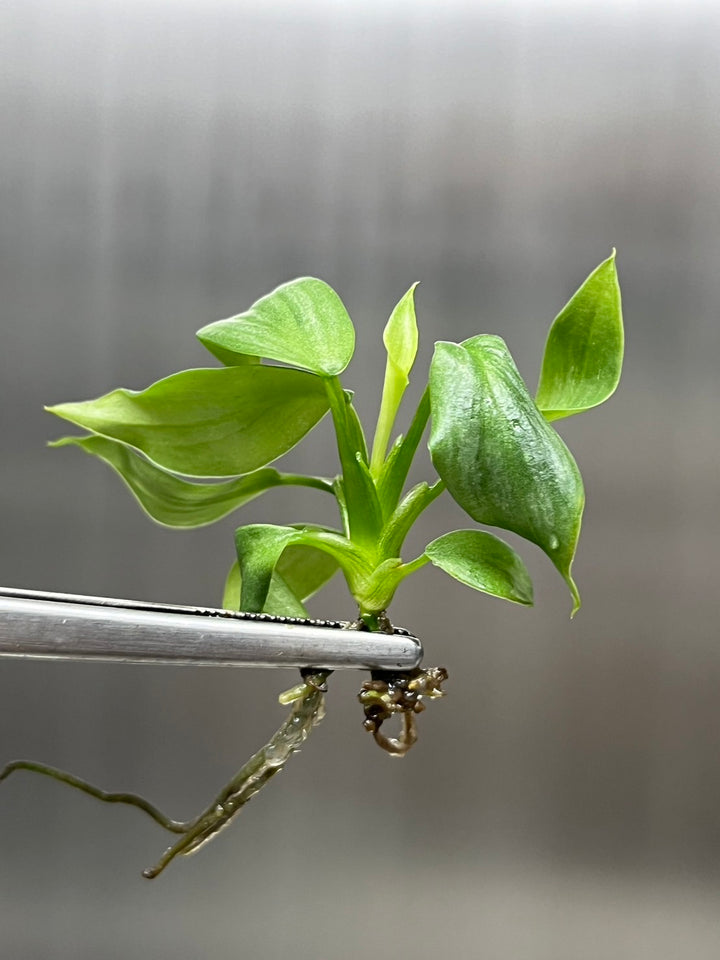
[[483, 562], [584, 350], [502, 462], [303, 323], [171, 500], [209, 423]]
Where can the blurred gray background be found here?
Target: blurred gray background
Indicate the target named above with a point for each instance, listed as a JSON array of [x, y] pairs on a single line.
[[162, 165]]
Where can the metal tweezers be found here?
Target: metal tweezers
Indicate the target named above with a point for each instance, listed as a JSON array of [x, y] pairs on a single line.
[[59, 626]]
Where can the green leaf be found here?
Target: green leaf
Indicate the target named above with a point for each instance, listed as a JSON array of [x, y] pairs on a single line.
[[306, 569], [303, 323], [168, 499], [483, 562], [301, 571], [401, 342], [397, 465], [584, 350], [501, 461], [260, 547], [209, 423], [280, 601], [359, 499]]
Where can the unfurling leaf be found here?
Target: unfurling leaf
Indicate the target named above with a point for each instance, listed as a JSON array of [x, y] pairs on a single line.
[[584, 350], [303, 323], [483, 562], [401, 342], [209, 423], [501, 461], [171, 500]]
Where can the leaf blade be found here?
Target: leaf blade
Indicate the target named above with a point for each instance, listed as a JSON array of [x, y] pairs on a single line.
[[170, 500], [303, 323], [209, 422], [583, 354], [484, 562], [502, 462]]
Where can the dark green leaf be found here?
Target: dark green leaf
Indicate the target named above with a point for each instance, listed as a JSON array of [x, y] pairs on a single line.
[[584, 350], [209, 423], [303, 323], [501, 461], [169, 499], [483, 562]]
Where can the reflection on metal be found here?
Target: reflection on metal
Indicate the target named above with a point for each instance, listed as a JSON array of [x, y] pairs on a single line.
[[62, 626]]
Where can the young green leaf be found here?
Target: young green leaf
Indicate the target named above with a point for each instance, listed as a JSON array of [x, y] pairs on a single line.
[[299, 573], [483, 562], [180, 503], [395, 470], [584, 350], [501, 461], [209, 423], [303, 323], [260, 547], [280, 601], [401, 341], [306, 569]]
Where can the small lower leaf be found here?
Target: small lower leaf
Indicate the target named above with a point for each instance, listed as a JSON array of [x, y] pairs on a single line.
[[261, 546], [281, 600], [484, 562]]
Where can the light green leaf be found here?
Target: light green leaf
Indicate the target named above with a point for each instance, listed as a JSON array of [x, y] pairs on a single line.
[[300, 571], [401, 342], [303, 323], [209, 423], [397, 464], [501, 461], [280, 601], [260, 547], [483, 562], [169, 499], [584, 350], [306, 569]]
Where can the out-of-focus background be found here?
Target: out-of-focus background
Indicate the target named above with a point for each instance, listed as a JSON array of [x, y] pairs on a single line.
[[163, 164]]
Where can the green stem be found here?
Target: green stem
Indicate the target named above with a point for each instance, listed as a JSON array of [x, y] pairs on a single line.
[[300, 480], [389, 404], [392, 479], [413, 565], [363, 513], [404, 516]]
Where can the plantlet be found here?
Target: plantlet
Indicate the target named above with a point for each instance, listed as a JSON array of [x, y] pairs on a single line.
[[195, 446]]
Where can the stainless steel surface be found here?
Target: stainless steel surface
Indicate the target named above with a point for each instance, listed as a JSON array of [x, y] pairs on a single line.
[[67, 627]]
